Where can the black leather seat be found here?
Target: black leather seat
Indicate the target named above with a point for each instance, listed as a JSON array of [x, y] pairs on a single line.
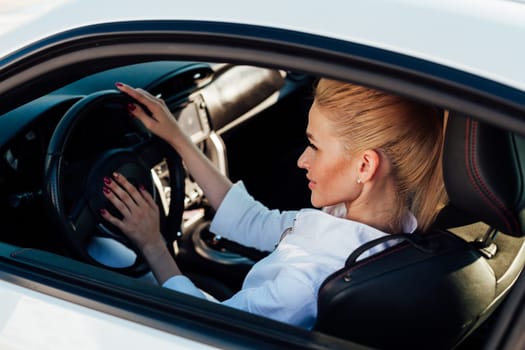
[[434, 289]]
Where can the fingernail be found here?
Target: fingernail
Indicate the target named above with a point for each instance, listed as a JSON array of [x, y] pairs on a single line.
[[118, 84], [106, 190], [107, 180], [116, 175], [131, 106], [103, 211], [141, 187]]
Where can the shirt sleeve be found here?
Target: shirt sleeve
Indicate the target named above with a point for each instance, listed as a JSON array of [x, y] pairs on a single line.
[[183, 284], [287, 298], [243, 219]]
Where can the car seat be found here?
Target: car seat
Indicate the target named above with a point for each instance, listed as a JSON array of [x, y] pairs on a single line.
[[435, 288]]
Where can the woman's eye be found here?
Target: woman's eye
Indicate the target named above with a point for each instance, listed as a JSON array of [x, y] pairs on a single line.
[[312, 146]]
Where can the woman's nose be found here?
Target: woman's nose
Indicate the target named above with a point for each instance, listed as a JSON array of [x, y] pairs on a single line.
[[302, 161]]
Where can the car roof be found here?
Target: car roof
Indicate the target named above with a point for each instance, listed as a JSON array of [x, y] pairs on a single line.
[[483, 37]]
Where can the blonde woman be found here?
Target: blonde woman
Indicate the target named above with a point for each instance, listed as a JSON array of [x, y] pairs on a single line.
[[373, 165]]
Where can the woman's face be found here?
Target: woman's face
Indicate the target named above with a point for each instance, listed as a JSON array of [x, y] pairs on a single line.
[[331, 171]]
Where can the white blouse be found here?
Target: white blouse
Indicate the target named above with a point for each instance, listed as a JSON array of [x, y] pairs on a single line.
[[307, 246]]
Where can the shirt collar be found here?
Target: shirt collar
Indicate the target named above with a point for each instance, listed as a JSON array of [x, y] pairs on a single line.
[[409, 222]]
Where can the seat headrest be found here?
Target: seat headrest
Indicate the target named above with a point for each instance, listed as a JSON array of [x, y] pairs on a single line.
[[483, 170]]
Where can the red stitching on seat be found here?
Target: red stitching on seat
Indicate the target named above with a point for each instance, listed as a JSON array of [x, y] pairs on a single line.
[[373, 258], [477, 181], [370, 260]]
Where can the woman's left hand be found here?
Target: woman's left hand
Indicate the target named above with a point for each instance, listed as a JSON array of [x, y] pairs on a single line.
[[140, 221]]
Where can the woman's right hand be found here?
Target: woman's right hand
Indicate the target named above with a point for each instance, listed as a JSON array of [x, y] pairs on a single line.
[[161, 122]]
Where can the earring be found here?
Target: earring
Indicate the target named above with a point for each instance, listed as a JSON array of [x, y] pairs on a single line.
[[358, 181]]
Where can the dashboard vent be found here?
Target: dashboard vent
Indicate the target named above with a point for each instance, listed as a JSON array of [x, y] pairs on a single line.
[[181, 82]]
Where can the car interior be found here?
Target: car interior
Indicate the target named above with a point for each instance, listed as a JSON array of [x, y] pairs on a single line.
[[445, 285]]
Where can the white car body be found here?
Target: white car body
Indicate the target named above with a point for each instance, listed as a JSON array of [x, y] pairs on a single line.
[[58, 324], [482, 37]]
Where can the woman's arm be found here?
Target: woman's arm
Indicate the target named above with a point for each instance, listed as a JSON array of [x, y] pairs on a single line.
[[140, 221]]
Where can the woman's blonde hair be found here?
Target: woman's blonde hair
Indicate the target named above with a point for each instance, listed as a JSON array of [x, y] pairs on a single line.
[[407, 132]]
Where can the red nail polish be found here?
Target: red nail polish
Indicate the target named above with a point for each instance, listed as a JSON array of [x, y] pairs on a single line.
[[107, 180], [106, 190], [141, 187], [131, 106], [103, 211], [119, 84]]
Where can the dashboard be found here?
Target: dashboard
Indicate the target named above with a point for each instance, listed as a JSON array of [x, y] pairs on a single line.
[[206, 98], [193, 118]]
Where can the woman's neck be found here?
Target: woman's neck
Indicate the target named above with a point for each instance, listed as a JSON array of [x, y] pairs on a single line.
[[377, 206]]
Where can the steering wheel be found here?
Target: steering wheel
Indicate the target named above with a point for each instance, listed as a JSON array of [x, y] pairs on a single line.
[[74, 174]]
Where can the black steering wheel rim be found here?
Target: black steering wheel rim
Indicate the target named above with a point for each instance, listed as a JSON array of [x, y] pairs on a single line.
[[133, 161]]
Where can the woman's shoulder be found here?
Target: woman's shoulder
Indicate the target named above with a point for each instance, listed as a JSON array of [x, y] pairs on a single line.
[[327, 237]]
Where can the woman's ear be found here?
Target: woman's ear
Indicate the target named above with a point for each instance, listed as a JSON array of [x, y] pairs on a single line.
[[369, 162]]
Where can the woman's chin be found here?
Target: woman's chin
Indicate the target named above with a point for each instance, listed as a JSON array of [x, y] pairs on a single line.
[[316, 203]]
